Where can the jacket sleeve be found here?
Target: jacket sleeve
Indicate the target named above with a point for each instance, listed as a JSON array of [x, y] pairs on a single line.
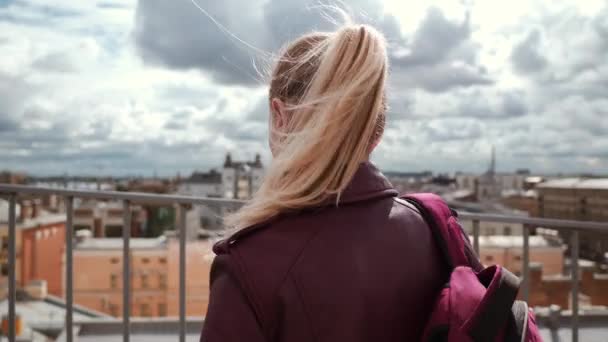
[[230, 316]]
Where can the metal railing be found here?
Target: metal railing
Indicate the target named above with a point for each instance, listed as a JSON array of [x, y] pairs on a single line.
[[13, 191]]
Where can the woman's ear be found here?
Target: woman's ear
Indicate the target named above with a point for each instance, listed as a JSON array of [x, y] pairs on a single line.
[[278, 112]]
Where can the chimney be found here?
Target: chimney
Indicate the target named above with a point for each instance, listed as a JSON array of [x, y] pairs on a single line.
[[25, 212], [37, 289], [36, 204]]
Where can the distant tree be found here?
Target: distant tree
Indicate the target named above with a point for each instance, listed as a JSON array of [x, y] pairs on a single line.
[[160, 219]]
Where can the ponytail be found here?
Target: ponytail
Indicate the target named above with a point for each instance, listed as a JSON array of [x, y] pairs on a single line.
[[334, 86]]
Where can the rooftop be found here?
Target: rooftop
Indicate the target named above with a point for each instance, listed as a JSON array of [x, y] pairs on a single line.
[[211, 177], [44, 218], [502, 241], [46, 317], [117, 243], [575, 183]]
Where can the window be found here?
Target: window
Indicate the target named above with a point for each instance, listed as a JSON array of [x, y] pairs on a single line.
[[162, 281], [507, 230], [113, 281], [491, 231], [144, 281], [162, 309], [5, 270], [145, 260], [5, 242], [162, 260], [517, 257], [114, 260], [489, 258], [144, 310], [113, 231]]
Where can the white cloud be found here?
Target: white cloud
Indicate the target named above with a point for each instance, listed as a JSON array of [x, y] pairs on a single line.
[[77, 93]]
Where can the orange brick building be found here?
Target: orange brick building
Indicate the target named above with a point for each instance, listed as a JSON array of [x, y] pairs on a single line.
[[154, 276], [40, 241], [508, 252]]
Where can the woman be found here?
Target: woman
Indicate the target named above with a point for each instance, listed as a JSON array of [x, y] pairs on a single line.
[[324, 252]]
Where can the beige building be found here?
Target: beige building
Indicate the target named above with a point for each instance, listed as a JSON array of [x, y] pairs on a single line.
[[241, 179], [584, 199], [98, 277]]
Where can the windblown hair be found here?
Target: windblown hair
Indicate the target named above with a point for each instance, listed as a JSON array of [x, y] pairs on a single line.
[[333, 85]]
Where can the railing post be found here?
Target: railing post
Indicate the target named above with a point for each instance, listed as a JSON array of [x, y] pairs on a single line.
[[574, 247], [69, 268], [126, 271], [12, 281], [526, 263], [182, 273], [476, 236]]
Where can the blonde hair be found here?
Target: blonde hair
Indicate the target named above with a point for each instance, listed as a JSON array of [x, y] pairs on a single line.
[[333, 85]]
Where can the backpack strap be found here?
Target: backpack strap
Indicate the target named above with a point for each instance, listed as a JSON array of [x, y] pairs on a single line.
[[496, 308], [447, 232]]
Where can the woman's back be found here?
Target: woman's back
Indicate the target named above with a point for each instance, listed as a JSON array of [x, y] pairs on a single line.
[[367, 270], [324, 251]]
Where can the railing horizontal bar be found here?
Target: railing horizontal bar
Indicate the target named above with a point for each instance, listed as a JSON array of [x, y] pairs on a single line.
[[591, 226], [137, 197]]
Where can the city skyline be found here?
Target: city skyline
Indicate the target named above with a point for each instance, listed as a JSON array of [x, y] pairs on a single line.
[[143, 87]]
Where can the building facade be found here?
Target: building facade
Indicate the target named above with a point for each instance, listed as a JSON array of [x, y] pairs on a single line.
[[203, 184], [508, 252], [98, 280], [40, 241], [578, 199], [241, 179], [105, 219]]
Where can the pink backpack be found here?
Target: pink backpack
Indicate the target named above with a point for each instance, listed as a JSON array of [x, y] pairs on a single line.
[[477, 304]]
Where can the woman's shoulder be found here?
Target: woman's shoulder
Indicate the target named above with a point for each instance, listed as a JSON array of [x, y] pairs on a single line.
[[271, 236]]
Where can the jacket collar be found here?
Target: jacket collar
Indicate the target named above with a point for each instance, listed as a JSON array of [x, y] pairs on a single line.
[[367, 183]]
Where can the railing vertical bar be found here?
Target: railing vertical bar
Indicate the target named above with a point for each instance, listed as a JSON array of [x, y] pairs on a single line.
[[126, 271], [476, 236], [575, 279], [526, 263], [12, 281], [182, 273], [69, 269]]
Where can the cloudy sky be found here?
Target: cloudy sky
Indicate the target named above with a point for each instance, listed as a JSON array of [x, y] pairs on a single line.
[[132, 87]]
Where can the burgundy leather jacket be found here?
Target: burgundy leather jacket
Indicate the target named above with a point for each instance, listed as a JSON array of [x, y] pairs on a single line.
[[366, 270]]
